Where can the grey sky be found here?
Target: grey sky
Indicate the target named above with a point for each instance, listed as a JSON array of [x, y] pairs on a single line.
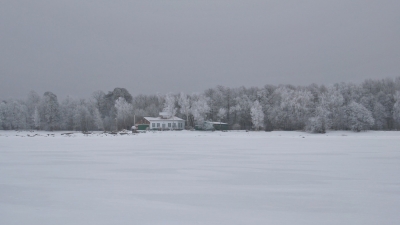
[[77, 47]]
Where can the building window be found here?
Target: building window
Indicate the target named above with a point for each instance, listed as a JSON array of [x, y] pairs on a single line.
[[158, 124], [174, 124], [153, 125], [169, 124]]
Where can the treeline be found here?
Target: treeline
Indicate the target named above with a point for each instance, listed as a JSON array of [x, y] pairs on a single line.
[[372, 105]]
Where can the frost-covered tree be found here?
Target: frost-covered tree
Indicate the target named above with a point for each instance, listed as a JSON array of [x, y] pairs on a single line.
[[98, 121], [36, 118], [2, 115], [257, 115], [287, 107], [380, 115], [169, 105], [124, 110], [243, 107], [291, 108], [147, 105], [184, 103], [235, 114], [200, 109], [396, 109], [221, 114], [359, 117], [100, 102], [332, 107], [50, 111], [14, 115], [32, 102], [67, 113], [108, 105], [213, 97], [320, 122], [82, 117]]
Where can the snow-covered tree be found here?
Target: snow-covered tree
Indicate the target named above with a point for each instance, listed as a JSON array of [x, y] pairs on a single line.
[[291, 108], [221, 114], [32, 102], [287, 107], [107, 108], [51, 111], [320, 122], [184, 103], [396, 109], [100, 102], [67, 113], [36, 118], [380, 115], [98, 121], [359, 117], [169, 105], [124, 110], [200, 109], [2, 115], [14, 114], [332, 106], [148, 105], [82, 117], [257, 115], [235, 112], [243, 108]]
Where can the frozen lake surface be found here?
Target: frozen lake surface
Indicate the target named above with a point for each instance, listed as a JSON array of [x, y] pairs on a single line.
[[200, 178]]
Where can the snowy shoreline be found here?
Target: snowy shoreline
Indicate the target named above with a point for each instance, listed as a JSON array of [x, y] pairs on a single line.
[[35, 133]]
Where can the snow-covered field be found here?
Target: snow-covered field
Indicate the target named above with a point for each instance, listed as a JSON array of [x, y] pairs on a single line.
[[200, 178]]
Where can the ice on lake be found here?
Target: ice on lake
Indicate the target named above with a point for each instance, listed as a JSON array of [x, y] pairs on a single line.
[[200, 178]]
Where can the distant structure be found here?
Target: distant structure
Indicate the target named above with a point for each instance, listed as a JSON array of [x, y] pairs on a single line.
[[209, 125], [142, 124], [163, 122]]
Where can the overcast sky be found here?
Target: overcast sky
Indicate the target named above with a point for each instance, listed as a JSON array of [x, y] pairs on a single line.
[[76, 47]]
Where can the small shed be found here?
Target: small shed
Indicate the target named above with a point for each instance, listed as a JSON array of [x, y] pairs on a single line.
[[209, 125], [143, 126], [220, 126]]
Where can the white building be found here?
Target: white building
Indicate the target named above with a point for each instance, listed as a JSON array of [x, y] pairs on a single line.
[[164, 122]]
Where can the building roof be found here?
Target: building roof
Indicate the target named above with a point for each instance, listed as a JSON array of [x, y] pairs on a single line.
[[164, 114], [215, 123], [162, 119]]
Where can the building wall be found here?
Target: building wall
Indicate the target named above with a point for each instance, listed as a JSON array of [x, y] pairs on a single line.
[[142, 126], [167, 124]]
